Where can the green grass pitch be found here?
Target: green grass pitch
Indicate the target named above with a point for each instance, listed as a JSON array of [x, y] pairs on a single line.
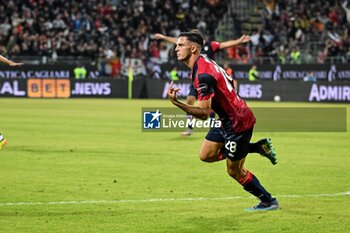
[[83, 165]]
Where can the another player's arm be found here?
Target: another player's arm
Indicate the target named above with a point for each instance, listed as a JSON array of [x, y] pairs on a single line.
[[9, 62], [202, 111], [231, 43], [170, 39]]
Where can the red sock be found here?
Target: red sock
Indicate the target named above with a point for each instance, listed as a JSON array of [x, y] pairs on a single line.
[[252, 185], [246, 179]]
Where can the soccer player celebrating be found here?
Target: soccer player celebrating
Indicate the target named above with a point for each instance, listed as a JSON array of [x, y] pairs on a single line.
[[264, 146], [215, 91], [210, 48], [3, 59]]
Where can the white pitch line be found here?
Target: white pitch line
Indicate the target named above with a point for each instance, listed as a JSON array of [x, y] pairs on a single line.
[[164, 199]]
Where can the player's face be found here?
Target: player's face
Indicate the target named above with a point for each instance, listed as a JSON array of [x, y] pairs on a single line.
[[183, 48]]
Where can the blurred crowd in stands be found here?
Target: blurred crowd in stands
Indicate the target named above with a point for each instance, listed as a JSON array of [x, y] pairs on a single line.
[[99, 28], [294, 31], [308, 29], [299, 31]]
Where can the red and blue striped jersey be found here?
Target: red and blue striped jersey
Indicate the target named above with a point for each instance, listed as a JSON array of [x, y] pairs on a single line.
[[211, 81]]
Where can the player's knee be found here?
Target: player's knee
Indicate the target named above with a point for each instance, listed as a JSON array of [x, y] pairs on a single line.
[[206, 157], [235, 173]]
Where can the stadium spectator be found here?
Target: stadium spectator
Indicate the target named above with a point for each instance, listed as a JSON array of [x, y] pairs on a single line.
[[333, 50], [310, 77], [321, 56], [229, 71], [271, 7], [80, 72], [173, 74], [242, 55], [346, 9], [253, 74], [295, 56], [164, 53]]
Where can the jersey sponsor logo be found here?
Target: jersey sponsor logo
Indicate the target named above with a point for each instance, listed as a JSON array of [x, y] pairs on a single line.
[[202, 87]]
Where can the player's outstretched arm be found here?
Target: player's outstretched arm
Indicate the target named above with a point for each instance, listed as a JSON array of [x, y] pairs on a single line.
[[202, 111], [9, 62], [230, 43], [170, 39]]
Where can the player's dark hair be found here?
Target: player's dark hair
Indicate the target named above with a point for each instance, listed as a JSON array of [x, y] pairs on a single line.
[[194, 36]]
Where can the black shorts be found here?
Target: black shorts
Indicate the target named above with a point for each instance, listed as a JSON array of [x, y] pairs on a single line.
[[236, 146], [193, 91]]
